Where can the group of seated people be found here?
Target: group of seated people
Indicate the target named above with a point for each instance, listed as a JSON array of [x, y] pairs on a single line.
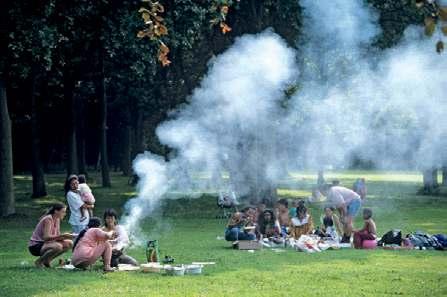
[[283, 222], [92, 243]]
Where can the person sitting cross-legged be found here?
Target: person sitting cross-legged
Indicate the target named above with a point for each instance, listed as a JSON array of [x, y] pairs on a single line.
[[238, 228]]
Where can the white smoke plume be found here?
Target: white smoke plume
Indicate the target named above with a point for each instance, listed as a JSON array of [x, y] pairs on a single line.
[[226, 127], [388, 107]]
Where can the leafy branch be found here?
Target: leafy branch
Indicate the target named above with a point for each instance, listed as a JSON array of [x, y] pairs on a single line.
[[155, 28], [435, 19]]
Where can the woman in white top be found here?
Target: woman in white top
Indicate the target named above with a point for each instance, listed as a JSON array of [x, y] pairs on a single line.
[[76, 205], [121, 242]]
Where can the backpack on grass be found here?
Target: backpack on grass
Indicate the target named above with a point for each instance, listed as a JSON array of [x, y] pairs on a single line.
[[391, 237], [442, 240]]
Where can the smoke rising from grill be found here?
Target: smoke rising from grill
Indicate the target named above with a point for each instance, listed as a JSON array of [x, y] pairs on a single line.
[[352, 100]]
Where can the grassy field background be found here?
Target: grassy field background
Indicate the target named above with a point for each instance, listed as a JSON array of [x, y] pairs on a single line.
[[188, 231]]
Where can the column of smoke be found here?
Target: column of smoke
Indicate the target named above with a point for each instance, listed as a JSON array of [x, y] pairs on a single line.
[[228, 126], [388, 107]]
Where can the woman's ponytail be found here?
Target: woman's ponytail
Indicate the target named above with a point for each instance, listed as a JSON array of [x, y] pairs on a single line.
[[94, 222]]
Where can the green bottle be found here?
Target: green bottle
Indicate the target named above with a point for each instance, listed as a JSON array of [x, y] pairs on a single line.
[[152, 251]]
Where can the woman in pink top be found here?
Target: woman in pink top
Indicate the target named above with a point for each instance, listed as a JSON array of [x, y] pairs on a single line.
[[46, 242], [91, 244]]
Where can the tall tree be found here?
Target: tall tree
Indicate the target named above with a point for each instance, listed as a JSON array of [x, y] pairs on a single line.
[[31, 45], [102, 96], [72, 158], [39, 187], [430, 180], [444, 175], [7, 200]]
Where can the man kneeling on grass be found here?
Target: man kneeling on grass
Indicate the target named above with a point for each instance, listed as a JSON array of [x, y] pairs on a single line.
[[46, 242]]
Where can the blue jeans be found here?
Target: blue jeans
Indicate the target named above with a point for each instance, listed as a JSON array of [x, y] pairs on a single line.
[[235, 233]]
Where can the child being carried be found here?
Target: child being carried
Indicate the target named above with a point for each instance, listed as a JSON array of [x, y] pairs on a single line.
[[86, 196]]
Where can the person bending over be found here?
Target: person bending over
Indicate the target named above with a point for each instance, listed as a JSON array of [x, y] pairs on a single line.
[[91, 244]]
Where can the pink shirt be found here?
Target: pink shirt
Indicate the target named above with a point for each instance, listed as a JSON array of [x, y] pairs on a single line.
[[37, 236], [85, 249], [339, 196]]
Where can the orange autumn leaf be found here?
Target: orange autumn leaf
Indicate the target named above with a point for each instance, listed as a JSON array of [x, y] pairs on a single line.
[[225, 28], [444, 30], [419, 3], [157, 7], [146, 17], [224, 9], [163, 58], [443, 13], [163, 51], [160, 30], [163, 48], [141, 34], [430, 26]]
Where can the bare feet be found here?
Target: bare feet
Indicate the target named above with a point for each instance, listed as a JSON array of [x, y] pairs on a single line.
[[39, 264], [108, 269]]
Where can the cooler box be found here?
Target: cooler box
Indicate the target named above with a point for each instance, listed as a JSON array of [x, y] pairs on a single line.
[[249, 245]]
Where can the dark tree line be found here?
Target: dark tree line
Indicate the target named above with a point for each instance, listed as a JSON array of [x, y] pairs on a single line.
[[84, 93]]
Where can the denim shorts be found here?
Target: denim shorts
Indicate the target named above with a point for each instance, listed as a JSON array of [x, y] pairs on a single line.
[[354, 207]]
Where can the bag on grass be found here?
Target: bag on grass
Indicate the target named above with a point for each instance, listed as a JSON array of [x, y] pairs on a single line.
[[391, 237], [442, 240], [422, 240]]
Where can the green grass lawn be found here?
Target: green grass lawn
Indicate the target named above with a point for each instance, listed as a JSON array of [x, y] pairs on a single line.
[[187, 230]]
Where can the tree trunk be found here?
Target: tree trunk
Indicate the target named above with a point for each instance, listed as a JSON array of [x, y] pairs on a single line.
[[138, 138], [39, 187], [7, 200], [444, 175], [430, 180], [81, 155], [320, 179], [80, 134], [126, 154], [72, 160], [434, 174], [101, 90]]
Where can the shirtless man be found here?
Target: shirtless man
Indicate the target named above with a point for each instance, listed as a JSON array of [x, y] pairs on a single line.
[[282, 213]]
